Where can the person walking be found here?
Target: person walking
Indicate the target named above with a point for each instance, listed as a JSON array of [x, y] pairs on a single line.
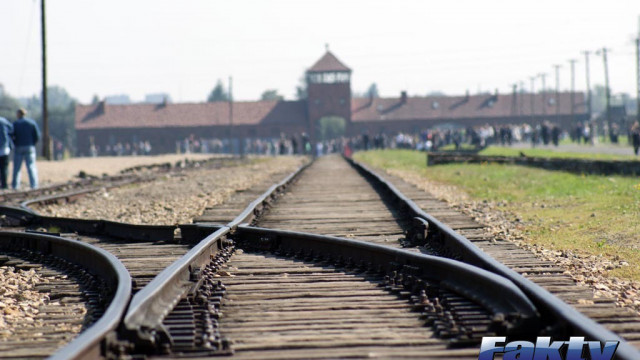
[[25, 137], [6, 131]]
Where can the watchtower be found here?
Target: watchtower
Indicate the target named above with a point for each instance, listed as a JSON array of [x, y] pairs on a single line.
[[328, 91]]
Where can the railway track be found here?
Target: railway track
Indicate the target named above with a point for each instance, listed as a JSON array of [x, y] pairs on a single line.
[[143, 250], [79, 276], [622, 321], [73, 190], [283, 280]]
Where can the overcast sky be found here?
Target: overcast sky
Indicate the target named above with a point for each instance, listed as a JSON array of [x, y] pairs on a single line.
[[183, 47]]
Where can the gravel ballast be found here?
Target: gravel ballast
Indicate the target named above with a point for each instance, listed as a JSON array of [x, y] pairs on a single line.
[[585, 270], [174, 198], [170, 199]]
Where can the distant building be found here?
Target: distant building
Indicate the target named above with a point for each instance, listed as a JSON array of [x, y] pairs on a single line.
[[329, 95], [117, 99], [158, 98]]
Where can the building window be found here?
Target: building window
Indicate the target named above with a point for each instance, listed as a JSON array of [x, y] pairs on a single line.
[[435, 105], [332, 77]]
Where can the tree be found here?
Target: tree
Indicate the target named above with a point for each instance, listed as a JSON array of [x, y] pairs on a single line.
[[58, 97], [372, 92], [271, 94], [218, 93], [598, 99], [61, 108], [301, 89], [8, 106], [332, 127]]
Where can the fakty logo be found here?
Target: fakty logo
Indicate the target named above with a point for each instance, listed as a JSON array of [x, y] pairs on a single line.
[[545, 349]]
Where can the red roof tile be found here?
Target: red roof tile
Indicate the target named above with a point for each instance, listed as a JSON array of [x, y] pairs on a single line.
[[461, 107], [328, 62], [189, 115]]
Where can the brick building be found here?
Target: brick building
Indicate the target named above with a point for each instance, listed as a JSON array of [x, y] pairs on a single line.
[[329, 95]]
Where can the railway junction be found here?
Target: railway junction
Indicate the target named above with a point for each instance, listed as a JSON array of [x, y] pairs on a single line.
[[276, 258]]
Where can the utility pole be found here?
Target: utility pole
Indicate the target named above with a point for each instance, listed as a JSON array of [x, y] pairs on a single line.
[[638, 78], [46, 147], [607, 91], [573, 90], [586, 64], [543, 76], [514, 100], [521, 98], [230, 114], [557, 67], [533, 102]]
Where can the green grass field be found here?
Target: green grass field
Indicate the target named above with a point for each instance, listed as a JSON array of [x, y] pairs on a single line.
[[593, 215]]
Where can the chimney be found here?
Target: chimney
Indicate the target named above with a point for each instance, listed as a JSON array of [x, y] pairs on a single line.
[[102, 107], [403, 97], [496, 94], [467, 95]]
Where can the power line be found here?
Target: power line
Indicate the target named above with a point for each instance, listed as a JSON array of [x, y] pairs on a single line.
[[27, 47]]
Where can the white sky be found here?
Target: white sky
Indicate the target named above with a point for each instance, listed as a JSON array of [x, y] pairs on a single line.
[[137, 47]]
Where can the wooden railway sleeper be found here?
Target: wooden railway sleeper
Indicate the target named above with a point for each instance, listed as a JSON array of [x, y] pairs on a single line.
[[399, 276]]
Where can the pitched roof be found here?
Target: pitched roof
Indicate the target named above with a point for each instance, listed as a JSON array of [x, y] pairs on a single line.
[[328, 62], [102, 116], [461, 107]]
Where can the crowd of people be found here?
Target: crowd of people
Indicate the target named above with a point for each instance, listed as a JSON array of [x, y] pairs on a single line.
[[476, 137], [120, 149]]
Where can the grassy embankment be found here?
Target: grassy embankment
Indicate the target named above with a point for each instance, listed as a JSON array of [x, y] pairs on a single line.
[[588, 214]]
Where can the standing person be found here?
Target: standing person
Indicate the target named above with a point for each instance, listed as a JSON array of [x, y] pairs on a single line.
[[25, 137], [6, 131]]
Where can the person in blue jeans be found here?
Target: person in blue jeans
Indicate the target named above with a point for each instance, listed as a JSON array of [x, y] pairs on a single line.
[[6, 132], [25, 137]]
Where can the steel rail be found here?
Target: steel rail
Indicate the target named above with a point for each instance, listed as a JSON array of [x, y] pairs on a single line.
[[39, 191], [476, 284], [89, 343], [152, 304], [119, 230], [71, 196], [261, 202], [571, 320], [125, 177], [495, 293]]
